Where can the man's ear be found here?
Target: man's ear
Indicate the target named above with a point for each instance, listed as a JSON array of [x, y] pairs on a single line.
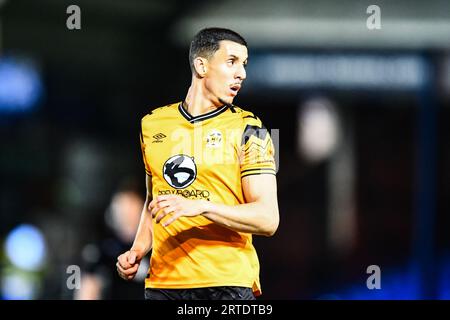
[[201, 66]]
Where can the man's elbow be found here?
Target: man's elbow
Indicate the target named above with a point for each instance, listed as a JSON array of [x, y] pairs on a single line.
[[271, 231], [271, 227]]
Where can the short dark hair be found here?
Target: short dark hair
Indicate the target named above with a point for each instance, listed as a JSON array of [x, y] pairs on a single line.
[[207, 41]]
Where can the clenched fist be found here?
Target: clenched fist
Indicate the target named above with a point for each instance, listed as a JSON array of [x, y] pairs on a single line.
[[128, 264]]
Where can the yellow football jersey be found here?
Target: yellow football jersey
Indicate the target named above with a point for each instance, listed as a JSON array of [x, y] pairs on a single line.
[[203, 157]]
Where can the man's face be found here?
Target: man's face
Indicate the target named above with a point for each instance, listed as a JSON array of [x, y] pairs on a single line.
[[226, 71]]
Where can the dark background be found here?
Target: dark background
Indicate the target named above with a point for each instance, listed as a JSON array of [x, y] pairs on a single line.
[[62, 158]]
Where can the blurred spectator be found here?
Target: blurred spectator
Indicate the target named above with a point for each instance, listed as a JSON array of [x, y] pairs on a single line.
[[99, 276]]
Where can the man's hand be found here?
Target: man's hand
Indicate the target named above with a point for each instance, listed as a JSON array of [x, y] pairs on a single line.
[[128, 264], [177, 206]]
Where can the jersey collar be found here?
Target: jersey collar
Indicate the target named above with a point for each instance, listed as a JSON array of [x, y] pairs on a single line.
[[201, 117]]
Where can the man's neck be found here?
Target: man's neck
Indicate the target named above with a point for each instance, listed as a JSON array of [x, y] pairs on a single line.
[[196, 102]]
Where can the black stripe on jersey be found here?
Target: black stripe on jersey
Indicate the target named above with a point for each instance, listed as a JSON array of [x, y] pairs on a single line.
[[201, 117], [257, 145], [252, 116], [259, 132], [257, 174], [251, 172], [259, 170]]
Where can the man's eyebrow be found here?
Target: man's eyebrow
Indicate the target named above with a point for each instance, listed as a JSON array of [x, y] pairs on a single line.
[[237, 58]]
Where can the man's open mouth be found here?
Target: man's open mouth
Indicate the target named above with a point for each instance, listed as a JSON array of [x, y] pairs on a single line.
[[235, 88]]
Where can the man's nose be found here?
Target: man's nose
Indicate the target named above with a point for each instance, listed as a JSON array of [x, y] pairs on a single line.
[[241, 73]]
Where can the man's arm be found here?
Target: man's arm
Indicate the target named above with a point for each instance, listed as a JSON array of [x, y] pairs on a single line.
[[259, 215], [143, 239], [128, 262]]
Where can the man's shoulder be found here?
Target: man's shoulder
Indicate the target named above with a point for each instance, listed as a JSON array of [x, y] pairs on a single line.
[[158, 112], [247, 117]]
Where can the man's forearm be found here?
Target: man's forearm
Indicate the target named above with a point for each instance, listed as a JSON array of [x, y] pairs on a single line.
[[256, 217], [143, 239]]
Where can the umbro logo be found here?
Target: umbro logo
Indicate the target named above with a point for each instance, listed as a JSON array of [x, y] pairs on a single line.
[[158, 137]]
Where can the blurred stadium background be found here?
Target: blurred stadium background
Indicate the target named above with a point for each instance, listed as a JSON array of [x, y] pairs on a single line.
[[363, 118]]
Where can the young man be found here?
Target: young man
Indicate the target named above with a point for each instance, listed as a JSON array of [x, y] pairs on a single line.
[[210, 184]]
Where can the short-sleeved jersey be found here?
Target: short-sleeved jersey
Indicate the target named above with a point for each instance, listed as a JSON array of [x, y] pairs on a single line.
[[203, 157]]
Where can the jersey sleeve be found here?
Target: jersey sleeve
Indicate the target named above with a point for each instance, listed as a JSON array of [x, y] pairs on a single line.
[[257, 149], [143, 140]]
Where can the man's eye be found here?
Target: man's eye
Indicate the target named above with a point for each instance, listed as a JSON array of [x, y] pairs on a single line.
[[231, 62]]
